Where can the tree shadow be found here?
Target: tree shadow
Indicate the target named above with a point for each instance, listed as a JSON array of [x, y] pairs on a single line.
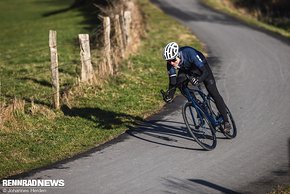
[[87, 8], [195, 186], [103, 118], [213, 17], [40, 82], [194, 16], [214, 186], [75, 5], [28, 100]]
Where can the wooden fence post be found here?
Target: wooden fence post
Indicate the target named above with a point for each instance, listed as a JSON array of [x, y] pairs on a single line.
[[54, 68], [87, 72], [119, 35], [1, 104], [127, 26], [122, 20], [107, 46]]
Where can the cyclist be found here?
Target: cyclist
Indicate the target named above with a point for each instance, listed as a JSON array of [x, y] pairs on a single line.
[[191, 63]]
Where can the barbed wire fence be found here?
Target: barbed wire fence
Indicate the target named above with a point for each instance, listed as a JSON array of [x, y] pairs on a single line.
[[116, 40]]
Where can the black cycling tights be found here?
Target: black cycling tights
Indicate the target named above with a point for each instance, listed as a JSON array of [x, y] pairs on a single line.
[[219, 101]]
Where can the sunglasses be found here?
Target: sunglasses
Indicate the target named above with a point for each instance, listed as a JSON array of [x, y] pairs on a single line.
[[172, 60]]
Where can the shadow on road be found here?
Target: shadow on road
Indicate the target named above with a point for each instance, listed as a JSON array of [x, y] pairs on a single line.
[[193, 16], [195, 186], [166, 133], [213, 186]]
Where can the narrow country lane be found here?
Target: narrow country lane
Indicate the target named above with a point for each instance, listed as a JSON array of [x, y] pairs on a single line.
[[253, 75]]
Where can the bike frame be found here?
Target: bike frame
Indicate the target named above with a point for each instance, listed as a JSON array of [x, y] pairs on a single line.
[[205, 98], [189, 97]]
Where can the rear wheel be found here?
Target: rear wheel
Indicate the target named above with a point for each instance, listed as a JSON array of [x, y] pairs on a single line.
[[233, 132], [216, 114], [198, 126]]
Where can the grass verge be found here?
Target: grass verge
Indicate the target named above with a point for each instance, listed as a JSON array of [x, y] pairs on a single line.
[[24, 52], [281, 189], [94, 114], [223, 6]]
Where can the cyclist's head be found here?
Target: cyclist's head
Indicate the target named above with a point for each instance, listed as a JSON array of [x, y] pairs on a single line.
[[170, 51]]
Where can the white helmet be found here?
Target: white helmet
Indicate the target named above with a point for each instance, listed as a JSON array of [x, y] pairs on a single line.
[[170, 51]]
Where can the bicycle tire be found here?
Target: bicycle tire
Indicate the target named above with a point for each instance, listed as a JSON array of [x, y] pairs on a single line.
[[201, 130], [233, 132]]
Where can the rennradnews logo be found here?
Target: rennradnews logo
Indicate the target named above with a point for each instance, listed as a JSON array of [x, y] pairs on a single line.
[[33, 183], [30, 186]]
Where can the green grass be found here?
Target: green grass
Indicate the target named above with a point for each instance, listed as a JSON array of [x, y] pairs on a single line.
[[24, 58], [95, 114], [216, 4]]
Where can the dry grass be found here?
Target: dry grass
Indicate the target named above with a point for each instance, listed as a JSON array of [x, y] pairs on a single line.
[[281, 190], [252, 16], [272, 12], [42, 110], [8, 112], [229, 4], [121, 45], [16, 108]]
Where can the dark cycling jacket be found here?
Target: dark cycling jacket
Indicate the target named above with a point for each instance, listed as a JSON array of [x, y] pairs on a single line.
[[193, 63]]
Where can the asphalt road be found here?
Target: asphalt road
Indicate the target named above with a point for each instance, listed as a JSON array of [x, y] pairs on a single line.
[[253, 73]]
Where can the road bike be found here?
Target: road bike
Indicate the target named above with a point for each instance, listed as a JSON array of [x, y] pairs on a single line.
[[201, 117]]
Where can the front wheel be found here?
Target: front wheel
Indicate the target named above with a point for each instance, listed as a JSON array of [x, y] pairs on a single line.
[[199, 126]]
